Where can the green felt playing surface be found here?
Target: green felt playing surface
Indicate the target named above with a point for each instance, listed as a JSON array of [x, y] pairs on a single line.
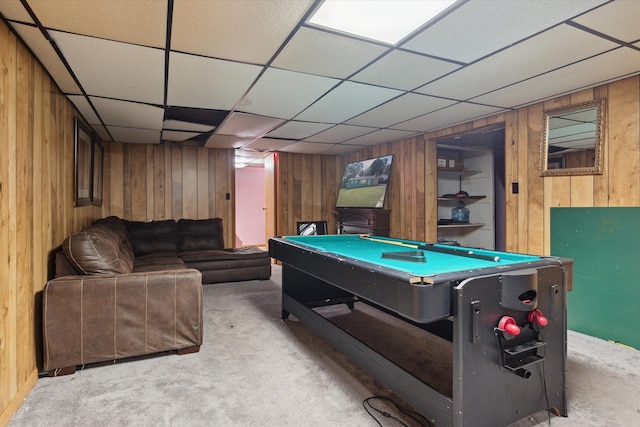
[[364, 249]]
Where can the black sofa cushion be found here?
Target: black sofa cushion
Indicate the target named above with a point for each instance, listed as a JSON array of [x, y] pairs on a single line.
[[200, 235], [247, 252], [153, 237]]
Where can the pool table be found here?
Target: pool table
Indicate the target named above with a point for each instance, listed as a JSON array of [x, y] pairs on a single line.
[[504, 313]]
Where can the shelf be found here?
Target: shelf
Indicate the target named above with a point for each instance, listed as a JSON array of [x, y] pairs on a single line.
[[461, 225], [461, 198], [459, 172]]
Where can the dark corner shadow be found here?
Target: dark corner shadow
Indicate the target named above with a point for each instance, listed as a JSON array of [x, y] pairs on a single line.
[[37, 311], [426, 356]]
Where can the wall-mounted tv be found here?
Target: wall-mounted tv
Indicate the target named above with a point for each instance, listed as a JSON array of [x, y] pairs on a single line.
[[364, 183]]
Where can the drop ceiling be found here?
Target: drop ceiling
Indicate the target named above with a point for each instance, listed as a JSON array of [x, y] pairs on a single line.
[[256, 76]]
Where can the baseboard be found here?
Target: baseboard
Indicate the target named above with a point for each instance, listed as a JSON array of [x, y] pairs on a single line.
[[17, 400]]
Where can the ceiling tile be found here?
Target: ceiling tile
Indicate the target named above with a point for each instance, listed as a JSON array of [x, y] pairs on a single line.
[[600, 69], [268, 144], [247, 125], [138, 22], [128, 114], [307, 147], [453, 115], [175, 135], [48, 57], [284, 94], [347, 100], [226, 141], [247, 155], [380, 136], [318, 52], [338, 149], [618, 19], [13, 10], [404, 70], [478, 28], [85, 109], [241, 30], [180, 125], [298, 130], [340, 133], [524, 60], [200, 82], [113, 69], [134, 136], [399, 109]]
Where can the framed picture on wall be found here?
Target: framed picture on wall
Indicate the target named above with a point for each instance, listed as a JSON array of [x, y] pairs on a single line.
[[97, 165], [83, 146]]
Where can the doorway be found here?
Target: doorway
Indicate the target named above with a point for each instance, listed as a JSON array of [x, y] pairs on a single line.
[[250, 206]]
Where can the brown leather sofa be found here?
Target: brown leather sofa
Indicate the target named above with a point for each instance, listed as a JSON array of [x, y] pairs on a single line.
[[126, 288]]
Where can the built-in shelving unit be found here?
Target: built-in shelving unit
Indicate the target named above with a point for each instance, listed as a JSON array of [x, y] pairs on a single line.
[[475, 177]]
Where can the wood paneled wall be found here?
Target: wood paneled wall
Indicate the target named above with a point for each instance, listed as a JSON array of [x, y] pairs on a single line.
[[168, 181], [306, 187], [36, 208], [528, 213], [412, 187], [411, 192]]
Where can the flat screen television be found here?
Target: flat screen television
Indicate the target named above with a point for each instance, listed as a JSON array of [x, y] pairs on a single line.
[[364, 183]]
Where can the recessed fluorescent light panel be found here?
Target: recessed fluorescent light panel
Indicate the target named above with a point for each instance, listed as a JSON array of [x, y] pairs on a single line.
[[388, 21]]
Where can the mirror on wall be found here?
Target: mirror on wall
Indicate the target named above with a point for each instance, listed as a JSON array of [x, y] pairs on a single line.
[[571, 141]]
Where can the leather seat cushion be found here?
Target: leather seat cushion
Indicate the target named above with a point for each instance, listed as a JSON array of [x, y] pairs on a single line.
[[247, 252], [157, 262]]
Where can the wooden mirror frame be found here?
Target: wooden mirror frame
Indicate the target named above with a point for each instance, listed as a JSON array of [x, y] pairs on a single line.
[[596, 169], [83, 143]]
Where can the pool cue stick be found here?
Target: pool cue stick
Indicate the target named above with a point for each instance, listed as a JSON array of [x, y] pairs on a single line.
[[430, 247], [460, 252], [389, 242], [414, 280]]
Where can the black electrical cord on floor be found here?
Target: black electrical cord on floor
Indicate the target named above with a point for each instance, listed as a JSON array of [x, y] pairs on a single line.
[[418, 418]]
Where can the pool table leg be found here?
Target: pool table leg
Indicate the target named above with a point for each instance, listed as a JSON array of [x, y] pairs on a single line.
[[285, 313]]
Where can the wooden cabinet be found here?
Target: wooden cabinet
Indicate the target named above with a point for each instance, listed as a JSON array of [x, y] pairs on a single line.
[[363, 221]]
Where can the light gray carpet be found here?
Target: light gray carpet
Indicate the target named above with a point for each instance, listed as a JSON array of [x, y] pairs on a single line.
[[256, 370]]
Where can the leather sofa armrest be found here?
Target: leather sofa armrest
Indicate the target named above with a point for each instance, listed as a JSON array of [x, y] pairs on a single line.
[[97, 318]]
